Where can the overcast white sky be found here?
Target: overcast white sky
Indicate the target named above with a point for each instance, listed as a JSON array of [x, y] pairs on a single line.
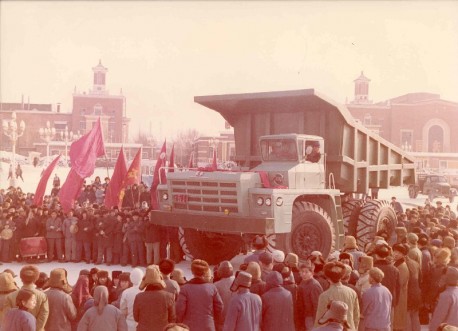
[[162, 54]]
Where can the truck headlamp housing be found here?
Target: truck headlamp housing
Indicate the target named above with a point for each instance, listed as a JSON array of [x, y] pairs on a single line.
[[260, 201], [268, 201], [165, 196], [279, 201]]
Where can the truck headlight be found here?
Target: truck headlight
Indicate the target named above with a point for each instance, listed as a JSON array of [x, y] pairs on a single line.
[[279, 201], [165, 196], [260, 201], [268, 201]]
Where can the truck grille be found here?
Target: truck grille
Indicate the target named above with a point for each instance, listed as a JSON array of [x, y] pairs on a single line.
[[204, 196]]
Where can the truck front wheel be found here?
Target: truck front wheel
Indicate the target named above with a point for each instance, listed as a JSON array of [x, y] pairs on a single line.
[[311, 230], [209, 246], [350, 210], [375, 215]]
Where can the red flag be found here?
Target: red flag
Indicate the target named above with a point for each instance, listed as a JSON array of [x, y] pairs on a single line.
[[133, 176], [172, 160], [191, 160], [159, 163], [41, 188], [214, 163], [84, 151], [114, 187], [70, 190]]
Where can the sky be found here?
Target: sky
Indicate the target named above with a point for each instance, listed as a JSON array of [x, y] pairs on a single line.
[[162, 54]]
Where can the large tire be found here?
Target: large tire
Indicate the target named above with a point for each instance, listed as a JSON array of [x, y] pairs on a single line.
[[209, 246], [312, 230], [374, 216], [350, 210]]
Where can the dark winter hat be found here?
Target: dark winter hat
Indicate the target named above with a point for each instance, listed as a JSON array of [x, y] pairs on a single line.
[[58, 279], [84, 272], [283, 269], [42, 279], [29, 274], [225, 269], [382, 250], [102, 274], [124, 276], [260, 242], [401, 248], [436, 242], [166, 266], [423, 239], [266, 258], [274, 279], [94, 271], [334, 271], [115, 274], [199, 268]]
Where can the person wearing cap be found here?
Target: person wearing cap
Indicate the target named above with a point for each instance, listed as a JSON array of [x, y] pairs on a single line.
[[70, 236], [400, 252], [335, 271], [376, 303], [266, 262], [309, 291], [351, 247], [61, 308], [396, 205], [244, 310], [54, 236], [128, 298], [447, 305], [134, 238], [226, 277], [335, 317], [123, 284], [260, 244], [199, 304], [102, 316], [29, 275], [155, 307], [382, 253], [7, 229]]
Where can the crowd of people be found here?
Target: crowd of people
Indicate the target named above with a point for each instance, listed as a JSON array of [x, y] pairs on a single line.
[[395, 282]]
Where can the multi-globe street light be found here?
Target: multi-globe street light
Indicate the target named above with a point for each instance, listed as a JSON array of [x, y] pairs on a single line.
[[47, 134], [12, 131], [68, 137]]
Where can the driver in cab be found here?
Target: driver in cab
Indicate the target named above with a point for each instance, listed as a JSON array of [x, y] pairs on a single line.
[[312, 152], [281, 151]]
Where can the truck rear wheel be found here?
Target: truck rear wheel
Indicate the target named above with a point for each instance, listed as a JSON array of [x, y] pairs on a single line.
[[374, 216], [209, 246], [312, 230], [350, 210]]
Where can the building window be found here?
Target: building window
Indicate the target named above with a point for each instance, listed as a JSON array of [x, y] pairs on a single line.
[[98, 109], [407, 140], [83, 126], [367, 119]]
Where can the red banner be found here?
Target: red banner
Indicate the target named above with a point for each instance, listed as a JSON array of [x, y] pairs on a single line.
[[115, 185], [41, 188]]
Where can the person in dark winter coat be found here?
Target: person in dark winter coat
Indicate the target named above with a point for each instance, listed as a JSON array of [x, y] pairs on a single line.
[[199, 304], [155, 307], [391, 278], [105, 228], [259, 244], [84, 237], [277, 305], [153, 235], [226, 277], [134, 238], [244, 312], [54, 236], [166, 267], [447, 305], [258, 286], [118, 238], [308, 293]]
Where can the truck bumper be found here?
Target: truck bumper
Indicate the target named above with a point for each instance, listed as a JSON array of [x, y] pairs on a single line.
[[212, 223]]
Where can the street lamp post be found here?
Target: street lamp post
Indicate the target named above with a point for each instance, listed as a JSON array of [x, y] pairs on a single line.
[[47, 134], [11, 130], [68, 137]]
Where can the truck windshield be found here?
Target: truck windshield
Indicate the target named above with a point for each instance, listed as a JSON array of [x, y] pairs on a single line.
[[279, 150], [438, 179]]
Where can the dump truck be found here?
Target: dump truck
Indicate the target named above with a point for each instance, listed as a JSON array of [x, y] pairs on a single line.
[[433, 185], [301, 203]]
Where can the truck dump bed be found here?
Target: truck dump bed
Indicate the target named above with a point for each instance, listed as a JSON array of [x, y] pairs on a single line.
[[358, 158]]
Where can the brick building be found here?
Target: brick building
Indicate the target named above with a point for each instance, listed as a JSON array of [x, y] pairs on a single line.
[[421, 123], [87, 107]]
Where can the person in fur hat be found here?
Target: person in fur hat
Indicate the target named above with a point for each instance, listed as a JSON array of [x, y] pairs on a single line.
[[102, 316], [400, 252], [199, 303], [351, 247], [7, 286], [223, 285], [382, 257], [334, 271], [155, 307], [436, 281], [258, 286], [365, 264], [61, 308], [335, 317], [29, 275], [260, 244]]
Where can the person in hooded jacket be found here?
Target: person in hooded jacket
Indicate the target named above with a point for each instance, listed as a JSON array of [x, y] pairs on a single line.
[[277, 305], [80, 295], [103, 316], [244, 312], [258, 286], [155, 307], [128, 298]]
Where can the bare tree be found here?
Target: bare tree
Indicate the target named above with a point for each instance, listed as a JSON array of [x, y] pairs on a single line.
[[184, 144]]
